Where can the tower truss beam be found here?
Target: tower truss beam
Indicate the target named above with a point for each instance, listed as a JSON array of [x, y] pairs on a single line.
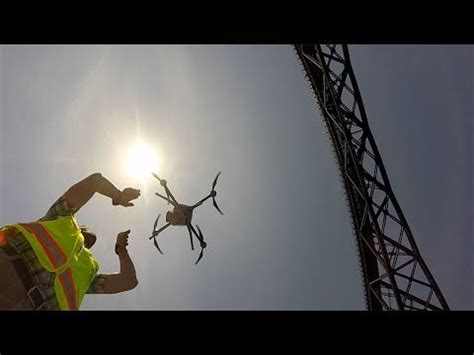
[[395, 277]]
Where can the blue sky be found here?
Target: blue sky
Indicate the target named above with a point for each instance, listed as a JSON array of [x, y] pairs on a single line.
[[285, 241]]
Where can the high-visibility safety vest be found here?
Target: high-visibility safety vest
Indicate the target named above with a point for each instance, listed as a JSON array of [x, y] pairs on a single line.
[[59, 246]]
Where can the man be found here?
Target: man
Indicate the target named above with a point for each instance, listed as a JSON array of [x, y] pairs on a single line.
[[47, 264]]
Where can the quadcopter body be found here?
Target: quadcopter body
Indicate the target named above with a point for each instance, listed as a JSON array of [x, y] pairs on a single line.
[[182, 215]]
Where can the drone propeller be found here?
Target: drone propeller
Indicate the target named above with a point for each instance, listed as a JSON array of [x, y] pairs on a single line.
[[156, 245], [163, 183], [213, 194], [200, 256], [154, 236], [156, 176], [215, 181], [217, 207], [156, 232], [156, 222]]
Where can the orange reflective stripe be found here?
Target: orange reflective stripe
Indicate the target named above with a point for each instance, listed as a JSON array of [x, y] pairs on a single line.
[[57, 258], [55, 254], [69, 288]]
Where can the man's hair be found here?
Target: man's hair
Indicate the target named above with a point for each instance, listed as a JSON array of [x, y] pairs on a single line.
[[89, 236]]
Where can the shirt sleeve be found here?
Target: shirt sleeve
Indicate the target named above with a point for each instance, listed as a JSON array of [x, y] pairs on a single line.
[[59, 208], [97, 285]]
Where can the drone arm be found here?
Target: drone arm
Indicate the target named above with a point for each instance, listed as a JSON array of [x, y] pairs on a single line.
[[201, 202], [194, 231], [201, 241], [165, 198], [168, 192]]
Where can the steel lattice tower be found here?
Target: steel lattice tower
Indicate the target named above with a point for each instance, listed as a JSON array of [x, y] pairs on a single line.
[[394, 274]]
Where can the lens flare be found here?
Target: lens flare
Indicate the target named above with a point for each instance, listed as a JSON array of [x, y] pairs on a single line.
[[141, 160]]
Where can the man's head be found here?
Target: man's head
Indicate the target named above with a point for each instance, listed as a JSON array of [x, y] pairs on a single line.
[[89, 236]]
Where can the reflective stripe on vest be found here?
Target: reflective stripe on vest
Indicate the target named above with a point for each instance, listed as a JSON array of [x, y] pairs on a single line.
[[57, 257], [69, 288]]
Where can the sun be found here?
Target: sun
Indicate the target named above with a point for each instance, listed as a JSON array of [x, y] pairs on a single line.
[[141, 160]]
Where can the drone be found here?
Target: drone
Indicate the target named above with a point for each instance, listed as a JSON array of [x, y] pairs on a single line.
[[182, 216]]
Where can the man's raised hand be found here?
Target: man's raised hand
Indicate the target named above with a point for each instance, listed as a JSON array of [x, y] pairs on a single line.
[[122, 241], [126, 196]]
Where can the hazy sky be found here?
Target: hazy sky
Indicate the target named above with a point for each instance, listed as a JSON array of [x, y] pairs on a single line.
[[285, 241]]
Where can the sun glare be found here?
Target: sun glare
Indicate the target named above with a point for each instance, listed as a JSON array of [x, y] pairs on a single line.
[[141, 160]]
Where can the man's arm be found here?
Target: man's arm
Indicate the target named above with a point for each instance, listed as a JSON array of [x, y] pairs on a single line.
[[80, 193], [126, 279]]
